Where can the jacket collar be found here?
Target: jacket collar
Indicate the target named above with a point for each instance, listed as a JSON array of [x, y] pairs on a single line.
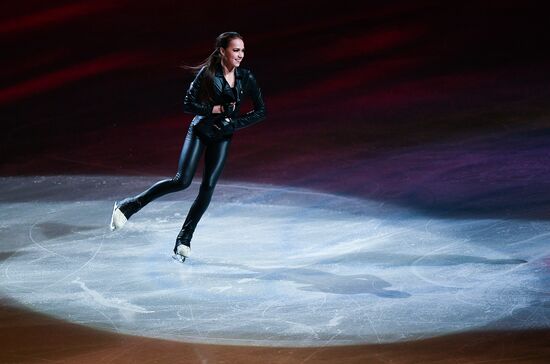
[[238, 77], [219, 71]]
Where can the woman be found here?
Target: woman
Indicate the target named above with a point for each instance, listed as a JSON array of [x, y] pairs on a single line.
[[214, 97]]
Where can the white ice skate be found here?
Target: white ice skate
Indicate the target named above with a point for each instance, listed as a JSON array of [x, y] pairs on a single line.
[[181, 253], [117, 219], [182, 248], [122, 210]]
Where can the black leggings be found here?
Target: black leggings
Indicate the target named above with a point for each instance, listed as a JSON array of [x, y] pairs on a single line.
[[215, 156]]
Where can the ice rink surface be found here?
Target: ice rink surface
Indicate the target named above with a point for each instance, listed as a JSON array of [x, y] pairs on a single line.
[[270, 265]]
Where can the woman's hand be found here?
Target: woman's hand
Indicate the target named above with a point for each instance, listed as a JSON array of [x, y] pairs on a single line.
[[224, 126], [218, 109]]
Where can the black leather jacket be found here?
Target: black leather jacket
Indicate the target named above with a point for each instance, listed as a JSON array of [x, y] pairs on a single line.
[[245, 86]]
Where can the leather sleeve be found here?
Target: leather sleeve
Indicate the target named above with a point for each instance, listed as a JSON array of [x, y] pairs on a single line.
[[259, 112], [192, 103]]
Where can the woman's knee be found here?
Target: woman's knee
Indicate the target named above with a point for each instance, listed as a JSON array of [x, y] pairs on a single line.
[[182, 181], [208, 186]]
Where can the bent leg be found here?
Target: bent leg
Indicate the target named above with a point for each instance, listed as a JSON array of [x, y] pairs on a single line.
[[215, 157], [187, 166]]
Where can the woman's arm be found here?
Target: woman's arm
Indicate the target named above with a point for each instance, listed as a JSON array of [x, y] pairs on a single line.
[[259, 113], [192, 103]]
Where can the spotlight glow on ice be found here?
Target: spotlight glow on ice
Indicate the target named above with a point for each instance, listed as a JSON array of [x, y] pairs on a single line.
[[269, 266]]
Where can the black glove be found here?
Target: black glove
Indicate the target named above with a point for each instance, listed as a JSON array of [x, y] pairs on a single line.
[[228, 108], [226, 126]]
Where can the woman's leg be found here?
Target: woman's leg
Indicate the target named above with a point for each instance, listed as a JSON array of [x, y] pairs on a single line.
[[189, 159], [215, 157], [187, 166]]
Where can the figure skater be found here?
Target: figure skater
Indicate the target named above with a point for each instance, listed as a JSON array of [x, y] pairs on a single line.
[[214, 97]]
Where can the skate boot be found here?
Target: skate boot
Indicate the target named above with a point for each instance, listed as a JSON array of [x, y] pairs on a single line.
[[182, 249], [122, 210]]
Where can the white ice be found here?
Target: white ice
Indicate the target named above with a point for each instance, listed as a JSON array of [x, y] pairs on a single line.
[[270, 265]]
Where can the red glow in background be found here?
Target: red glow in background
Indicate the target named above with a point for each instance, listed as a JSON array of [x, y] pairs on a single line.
[[359, 95]]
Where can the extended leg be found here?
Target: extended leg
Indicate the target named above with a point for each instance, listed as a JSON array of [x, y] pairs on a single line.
[[187, 166], [189, 158]]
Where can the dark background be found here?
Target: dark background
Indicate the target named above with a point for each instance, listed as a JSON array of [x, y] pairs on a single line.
[[440, 106]]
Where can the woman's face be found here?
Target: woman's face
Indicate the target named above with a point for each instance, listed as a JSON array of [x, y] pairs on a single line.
[[234, 53]]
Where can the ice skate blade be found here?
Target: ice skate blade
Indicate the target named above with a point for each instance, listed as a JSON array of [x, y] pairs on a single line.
[[178, 258], [117, 219]]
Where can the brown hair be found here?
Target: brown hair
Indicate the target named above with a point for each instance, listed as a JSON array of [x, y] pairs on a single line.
[[206, 91]]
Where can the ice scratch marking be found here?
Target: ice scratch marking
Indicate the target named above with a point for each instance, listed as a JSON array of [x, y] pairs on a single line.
[[220, 289], [110, 302]]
